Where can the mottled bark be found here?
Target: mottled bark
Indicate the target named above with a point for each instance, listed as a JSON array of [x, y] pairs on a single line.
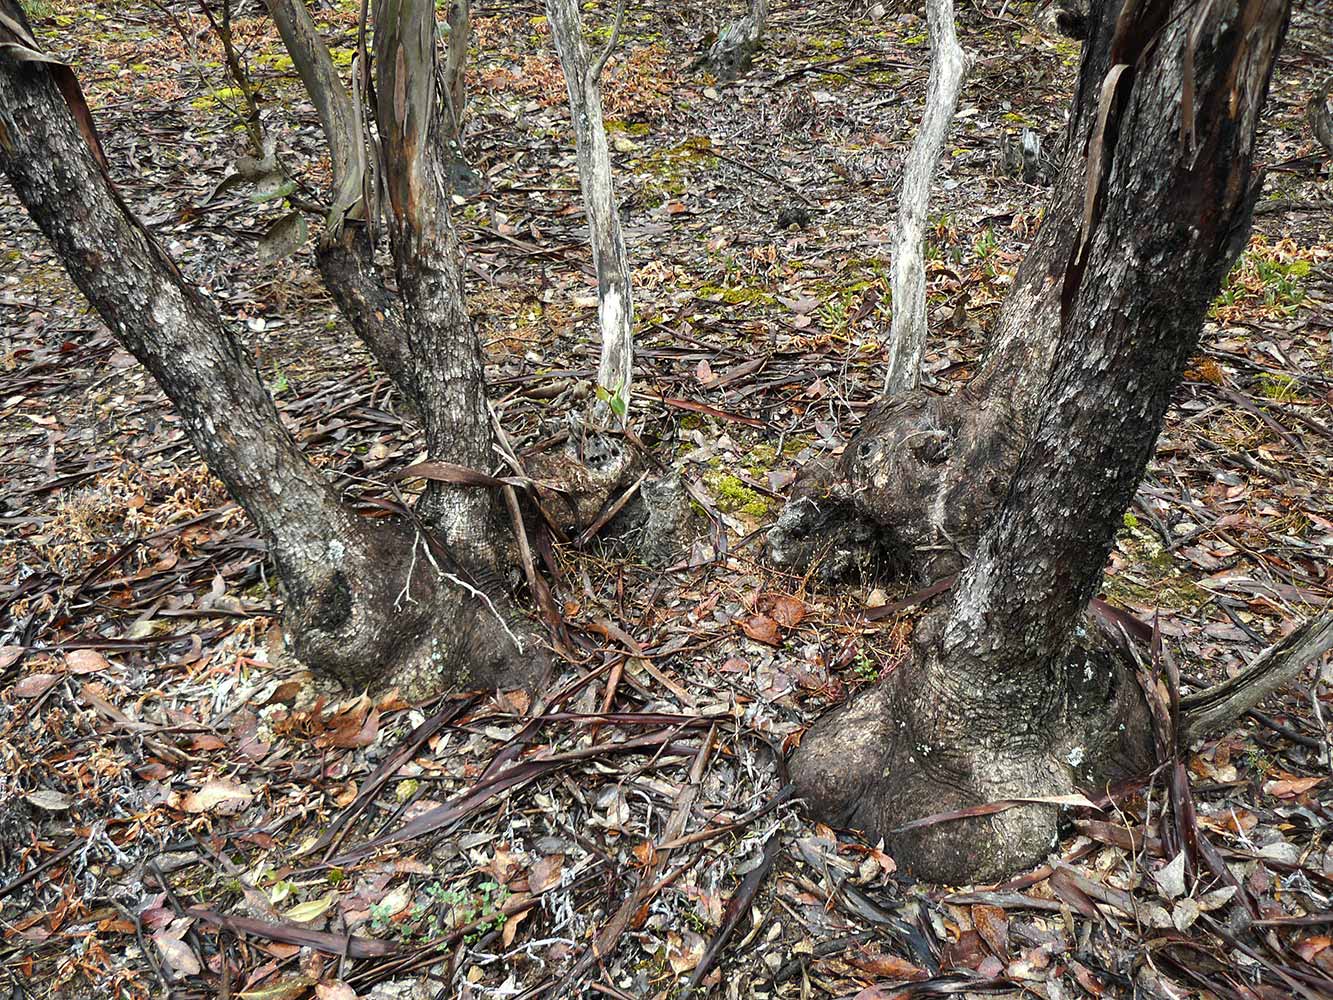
[[442, 343], [948, 66], [1004, 698], [615, 301], [337, 115], [358, 603], [734, 50], [922, 475], [459, 22]]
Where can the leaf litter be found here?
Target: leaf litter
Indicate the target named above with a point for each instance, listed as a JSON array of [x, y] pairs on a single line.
[[187, 811]]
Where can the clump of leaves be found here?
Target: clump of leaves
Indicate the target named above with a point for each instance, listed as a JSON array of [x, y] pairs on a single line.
[[1266, 283]]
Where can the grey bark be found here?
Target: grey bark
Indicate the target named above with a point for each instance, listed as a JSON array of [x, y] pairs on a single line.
[[441, 341], [615, 301], [459, 21], [331, 99], [1207, 711], [354, 606], [948, 67], [1005, 698], [734, 50]]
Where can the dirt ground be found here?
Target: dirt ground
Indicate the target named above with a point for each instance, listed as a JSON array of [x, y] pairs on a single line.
[[185, 811]]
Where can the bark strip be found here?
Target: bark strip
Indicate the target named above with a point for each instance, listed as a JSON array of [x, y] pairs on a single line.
[[948, 67]]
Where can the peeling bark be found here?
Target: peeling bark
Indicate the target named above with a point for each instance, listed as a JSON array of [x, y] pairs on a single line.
[[615, 301], [441, 341], [357, 605], [459, 22], [948, 67], [1003, 698]]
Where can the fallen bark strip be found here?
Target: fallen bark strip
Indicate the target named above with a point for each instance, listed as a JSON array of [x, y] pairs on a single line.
[[333, 944]]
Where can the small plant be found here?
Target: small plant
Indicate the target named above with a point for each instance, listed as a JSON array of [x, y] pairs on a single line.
[[865, 668]]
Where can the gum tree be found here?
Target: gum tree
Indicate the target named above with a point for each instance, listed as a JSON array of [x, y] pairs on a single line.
[[1018, 482], [418, 603]]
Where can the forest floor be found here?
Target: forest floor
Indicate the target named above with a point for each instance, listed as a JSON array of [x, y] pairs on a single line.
[[185, 811]]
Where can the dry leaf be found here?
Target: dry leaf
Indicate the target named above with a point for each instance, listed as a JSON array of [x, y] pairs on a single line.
[[85, 661], [762, 628], [546, 874], [35, 685], [225, 798]]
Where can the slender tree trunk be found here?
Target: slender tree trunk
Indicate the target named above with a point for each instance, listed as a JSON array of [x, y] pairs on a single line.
[[615, 301], [442, 343], [360, 605], [459, 20], [1004, 698], [346, 255], [948, 67]]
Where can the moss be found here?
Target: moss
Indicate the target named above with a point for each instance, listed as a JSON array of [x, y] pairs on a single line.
[[1275, 386], [734, 295], [733, 496], [342, 57], [223, 95], [619, 125]]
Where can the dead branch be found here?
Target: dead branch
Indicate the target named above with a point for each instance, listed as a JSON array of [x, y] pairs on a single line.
[[1219, 706]]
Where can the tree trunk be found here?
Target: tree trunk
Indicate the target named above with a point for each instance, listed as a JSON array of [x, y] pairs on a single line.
[[737, 43], [948, 66], [459, 21], [615, 302], [1008, 696], [346, 254], [442, 343], [359, 604]]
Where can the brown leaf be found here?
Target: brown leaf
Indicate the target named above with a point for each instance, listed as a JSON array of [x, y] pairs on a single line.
[[762, 628], [34, 685], [1290, 787], [85, 661], [787, 611], [223, 798], [9, 655], [546, 874], [993, 926], [878, 963]]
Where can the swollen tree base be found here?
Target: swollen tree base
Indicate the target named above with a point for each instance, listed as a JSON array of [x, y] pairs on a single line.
[[908, 495], [911, 749], [395, 612]]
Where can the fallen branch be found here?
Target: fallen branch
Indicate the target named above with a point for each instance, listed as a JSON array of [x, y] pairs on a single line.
[[1219, 706]]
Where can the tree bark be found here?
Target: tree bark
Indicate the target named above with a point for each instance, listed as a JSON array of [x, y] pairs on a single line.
[[346, 254], [948, 67], [733, 51], [1008, 695], [443, 346], [615, 301], [459, 20], [357, 606]]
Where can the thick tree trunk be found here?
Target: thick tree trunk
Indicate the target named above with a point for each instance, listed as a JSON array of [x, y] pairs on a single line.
[[443, 346], [355, 606], [948, 66], [1007, 697]]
